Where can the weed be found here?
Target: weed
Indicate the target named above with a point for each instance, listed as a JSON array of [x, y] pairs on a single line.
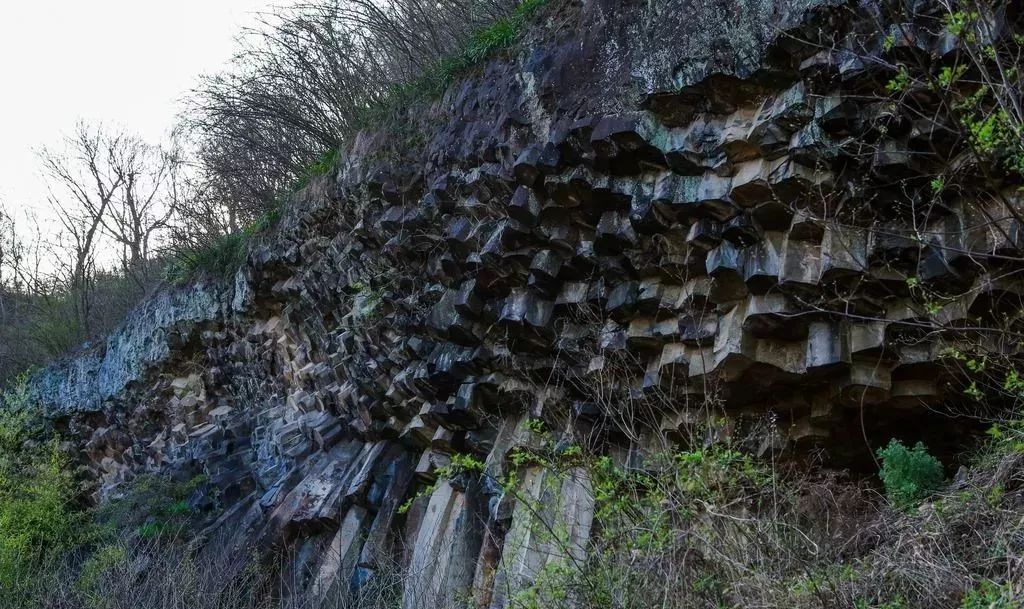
[[326, 163], [989, 595], [38, 519]]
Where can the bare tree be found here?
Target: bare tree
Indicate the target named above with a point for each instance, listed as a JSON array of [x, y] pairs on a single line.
[[11, 252], [144, 203], [83, 183]]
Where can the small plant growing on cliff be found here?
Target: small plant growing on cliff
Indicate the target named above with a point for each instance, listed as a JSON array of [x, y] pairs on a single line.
[[537, 426], [909, 474], [324, 164]]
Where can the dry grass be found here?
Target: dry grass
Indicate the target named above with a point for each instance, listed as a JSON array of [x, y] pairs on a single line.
[[718, 530]]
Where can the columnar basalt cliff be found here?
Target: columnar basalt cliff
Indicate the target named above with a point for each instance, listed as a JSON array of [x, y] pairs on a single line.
[[657, 212]]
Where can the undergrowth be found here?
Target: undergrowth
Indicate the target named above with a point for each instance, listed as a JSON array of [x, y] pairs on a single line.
[[222, 255], [38, 515], [715, 527], [706, 527]]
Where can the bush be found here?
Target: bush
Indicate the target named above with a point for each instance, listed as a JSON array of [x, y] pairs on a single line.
[[38, 519], [909, 475], [309, 78]]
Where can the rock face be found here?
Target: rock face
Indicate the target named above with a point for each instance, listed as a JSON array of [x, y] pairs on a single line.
[[653, 209], [83, 382]]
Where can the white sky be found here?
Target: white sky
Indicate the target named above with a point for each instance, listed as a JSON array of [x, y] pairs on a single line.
[[120, 62]]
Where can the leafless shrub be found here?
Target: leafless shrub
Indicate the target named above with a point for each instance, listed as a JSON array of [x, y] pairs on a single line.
[[304, 78]]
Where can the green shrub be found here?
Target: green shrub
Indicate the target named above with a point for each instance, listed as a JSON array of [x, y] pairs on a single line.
[[909, 475]]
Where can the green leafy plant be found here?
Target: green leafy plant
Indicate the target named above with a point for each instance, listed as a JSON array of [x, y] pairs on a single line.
[[909, 474], [536, 426], [900, 82]]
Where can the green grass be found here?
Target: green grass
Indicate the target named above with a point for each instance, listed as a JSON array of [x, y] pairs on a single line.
[[223, 255], [989, 595], [482, 45], [322, 166], [220, 258]]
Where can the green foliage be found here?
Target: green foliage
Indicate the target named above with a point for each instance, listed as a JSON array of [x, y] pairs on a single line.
[[152, 530], [106, 559], [38, 519], [949, 76], [525, 457], [536, 426], [961, 24], [550, 588], [1006, 437], [460, 465], [630, 503], [265, 222], [909, 475], [991, 132], [900, 82], [642, 515], [152, 506], [991, 596], [322, 166], [982, 106]]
